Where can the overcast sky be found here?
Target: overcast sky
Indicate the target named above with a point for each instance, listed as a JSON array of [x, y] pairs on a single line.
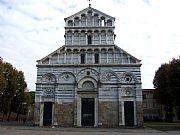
[[32, 29]]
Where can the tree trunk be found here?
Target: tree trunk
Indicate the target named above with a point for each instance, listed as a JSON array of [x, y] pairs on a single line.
[[18, 112], [3, 117], [17, 116], [169, 114], [9, 115]]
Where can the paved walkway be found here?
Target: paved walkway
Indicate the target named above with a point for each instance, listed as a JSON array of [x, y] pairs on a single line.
[[28, 130]]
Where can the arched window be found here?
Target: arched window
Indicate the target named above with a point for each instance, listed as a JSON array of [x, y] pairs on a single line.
[[83, 20], [76, 21], [96, 37], [109, 23], [82, 58], [89, 18], [96, 21], [89, 39], [70, 23], [110, 37], [103, 37], [96, 58], [82, 38], [69, 38], [102, 21]]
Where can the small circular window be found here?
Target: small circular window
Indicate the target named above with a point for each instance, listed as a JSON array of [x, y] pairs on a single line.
[[128, 78]]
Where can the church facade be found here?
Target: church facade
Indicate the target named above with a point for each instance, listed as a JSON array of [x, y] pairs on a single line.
[[89, 81]]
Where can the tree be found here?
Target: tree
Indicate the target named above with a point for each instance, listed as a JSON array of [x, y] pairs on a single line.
[[7, 91], [18, 97], [2, 79], [32, 94], [166, 81], [12, 89], [174, 78]]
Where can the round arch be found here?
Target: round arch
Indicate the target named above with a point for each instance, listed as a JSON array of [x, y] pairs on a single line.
[[48, 78], [87, 79]]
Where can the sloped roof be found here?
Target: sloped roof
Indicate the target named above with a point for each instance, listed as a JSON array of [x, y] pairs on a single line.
[[49, 55], [134, 58], [92, 9], [115, 46]]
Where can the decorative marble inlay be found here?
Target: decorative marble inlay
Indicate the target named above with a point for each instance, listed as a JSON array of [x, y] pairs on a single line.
[[48, 92], [108, 77], [66, 77]]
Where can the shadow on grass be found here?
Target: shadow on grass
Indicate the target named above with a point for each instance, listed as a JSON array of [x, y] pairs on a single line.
[[163, 126]]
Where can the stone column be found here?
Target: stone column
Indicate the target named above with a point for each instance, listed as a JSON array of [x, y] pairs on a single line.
[[65, 38], [112, 22], [72, 42], [92, 34], [79, 58], [100, 38], [113, 53], [65, 57], [86, 19], [96, 112], [79, 37], [41, 113], [85, 53], [122, 57], [123, 118], [106, 38], [79, 21], [58, 57], [54, 107], [86, 37], [107, 56], [128, 59], [75, 104], [119, 105], [135, 107], [100, 57], [50, 59], [53, 114], [79, 111], [72, 57], [93, 58]]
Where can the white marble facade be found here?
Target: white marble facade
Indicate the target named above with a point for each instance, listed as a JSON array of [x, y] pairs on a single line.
[[89, 66]]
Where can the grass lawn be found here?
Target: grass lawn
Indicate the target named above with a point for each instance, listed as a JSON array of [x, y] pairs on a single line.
[[163, 126]]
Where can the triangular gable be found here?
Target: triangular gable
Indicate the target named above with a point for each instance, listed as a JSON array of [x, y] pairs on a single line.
[[50, 55], [130, 56], [87, 9]]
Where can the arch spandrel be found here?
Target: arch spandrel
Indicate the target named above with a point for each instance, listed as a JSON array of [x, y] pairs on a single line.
[[87, 72], [109, 76], [48, 78], [66, 77], [128, 77]]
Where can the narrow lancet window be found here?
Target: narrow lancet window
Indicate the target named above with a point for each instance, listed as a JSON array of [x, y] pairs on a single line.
[[89, 40], [96, 56], [82, 58]]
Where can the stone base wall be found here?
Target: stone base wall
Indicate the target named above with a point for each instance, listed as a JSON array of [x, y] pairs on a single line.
[[108, 114], [64, 114], [139, 113], [37, 114]]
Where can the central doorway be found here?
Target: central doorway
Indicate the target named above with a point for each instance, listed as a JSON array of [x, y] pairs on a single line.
[[129, 113], [47, 114], [87, 117]]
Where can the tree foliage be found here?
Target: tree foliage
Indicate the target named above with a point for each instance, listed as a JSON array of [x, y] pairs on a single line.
[[167, 84], [13, 97]]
